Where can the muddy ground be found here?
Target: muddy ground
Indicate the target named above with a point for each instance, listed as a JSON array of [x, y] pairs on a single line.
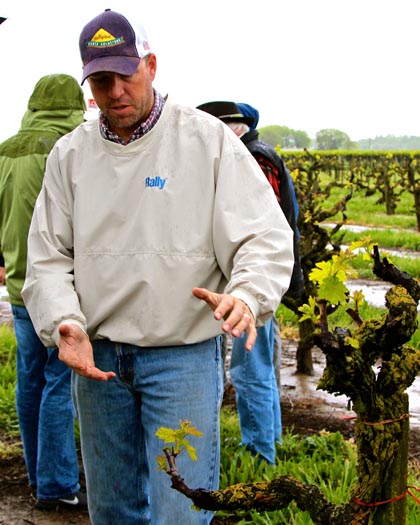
[[304, 410]]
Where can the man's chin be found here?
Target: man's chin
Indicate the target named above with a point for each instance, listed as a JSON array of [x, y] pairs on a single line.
[[123, 123]]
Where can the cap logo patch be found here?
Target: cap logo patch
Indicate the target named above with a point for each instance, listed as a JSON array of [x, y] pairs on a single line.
[[104, 39]]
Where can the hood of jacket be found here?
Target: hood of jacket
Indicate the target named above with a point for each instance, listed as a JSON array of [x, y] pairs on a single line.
[[56, 105], [249, 111]]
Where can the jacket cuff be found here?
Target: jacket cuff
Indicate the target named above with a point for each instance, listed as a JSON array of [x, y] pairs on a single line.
[[250, 301], [56, 335]]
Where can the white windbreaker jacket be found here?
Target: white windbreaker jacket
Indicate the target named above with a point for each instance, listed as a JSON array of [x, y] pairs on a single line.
[[121, 234]]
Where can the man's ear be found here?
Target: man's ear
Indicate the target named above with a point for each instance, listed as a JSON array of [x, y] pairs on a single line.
[[152, 65]]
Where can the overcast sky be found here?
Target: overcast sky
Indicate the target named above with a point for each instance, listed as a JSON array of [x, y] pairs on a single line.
[[306, 64]]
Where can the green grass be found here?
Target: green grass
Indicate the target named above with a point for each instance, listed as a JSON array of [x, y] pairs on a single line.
[[8, 418], [385, 239], [365, 210]]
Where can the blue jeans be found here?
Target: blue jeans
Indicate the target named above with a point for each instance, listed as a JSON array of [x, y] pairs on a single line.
[[154, 387], [45, 412], [257, 395]]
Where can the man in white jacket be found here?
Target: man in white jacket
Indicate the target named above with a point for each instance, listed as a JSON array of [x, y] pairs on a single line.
[[148, 216]]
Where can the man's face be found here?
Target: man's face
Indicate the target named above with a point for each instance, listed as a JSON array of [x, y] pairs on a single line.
[[125, 100]]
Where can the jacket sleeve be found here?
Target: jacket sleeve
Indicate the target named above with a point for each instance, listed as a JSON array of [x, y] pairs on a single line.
[[48, 292], [280, 179], [253, 241], [290, 208]]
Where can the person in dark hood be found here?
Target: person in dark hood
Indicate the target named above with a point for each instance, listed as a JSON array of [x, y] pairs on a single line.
[[249, 111], [253, 373], [43, 392]]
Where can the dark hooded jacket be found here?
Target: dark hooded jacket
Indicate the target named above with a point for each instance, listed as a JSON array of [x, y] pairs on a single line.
[[55, 108], [288, 203]]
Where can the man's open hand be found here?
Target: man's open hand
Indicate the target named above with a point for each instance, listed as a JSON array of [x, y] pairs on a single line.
[[75, 350]]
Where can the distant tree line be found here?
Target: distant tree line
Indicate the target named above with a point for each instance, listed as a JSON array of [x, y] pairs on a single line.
[[285, 137], [334, 139], [390, 143]]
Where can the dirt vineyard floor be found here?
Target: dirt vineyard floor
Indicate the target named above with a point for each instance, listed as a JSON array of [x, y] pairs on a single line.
[[304, 410]]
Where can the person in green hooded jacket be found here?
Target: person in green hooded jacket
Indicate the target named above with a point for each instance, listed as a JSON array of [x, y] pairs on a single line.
[[43, 392]]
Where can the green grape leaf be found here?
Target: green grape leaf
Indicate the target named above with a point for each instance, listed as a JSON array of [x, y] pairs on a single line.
[[333, 290]]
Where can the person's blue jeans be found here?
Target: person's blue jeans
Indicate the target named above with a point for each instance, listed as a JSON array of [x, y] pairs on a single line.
[[257, 396], [154, 387], [46, 413]]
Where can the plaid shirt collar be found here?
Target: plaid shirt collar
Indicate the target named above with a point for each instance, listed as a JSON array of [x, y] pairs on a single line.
[[143, 128]]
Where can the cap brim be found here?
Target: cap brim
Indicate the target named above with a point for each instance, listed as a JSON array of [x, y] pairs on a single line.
[[246, 120], [122, 65]]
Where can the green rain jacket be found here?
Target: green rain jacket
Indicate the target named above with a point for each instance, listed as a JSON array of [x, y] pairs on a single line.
[[55, 108]]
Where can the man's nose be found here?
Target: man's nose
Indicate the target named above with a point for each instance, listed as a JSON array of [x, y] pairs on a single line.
[[116, 87]]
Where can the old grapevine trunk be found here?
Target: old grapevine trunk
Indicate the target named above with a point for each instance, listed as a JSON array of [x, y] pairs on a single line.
[[373, 368]]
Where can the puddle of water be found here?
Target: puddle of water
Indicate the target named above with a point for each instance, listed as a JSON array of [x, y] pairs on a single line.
[[304, 388], [359, 228], [373, 291]]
